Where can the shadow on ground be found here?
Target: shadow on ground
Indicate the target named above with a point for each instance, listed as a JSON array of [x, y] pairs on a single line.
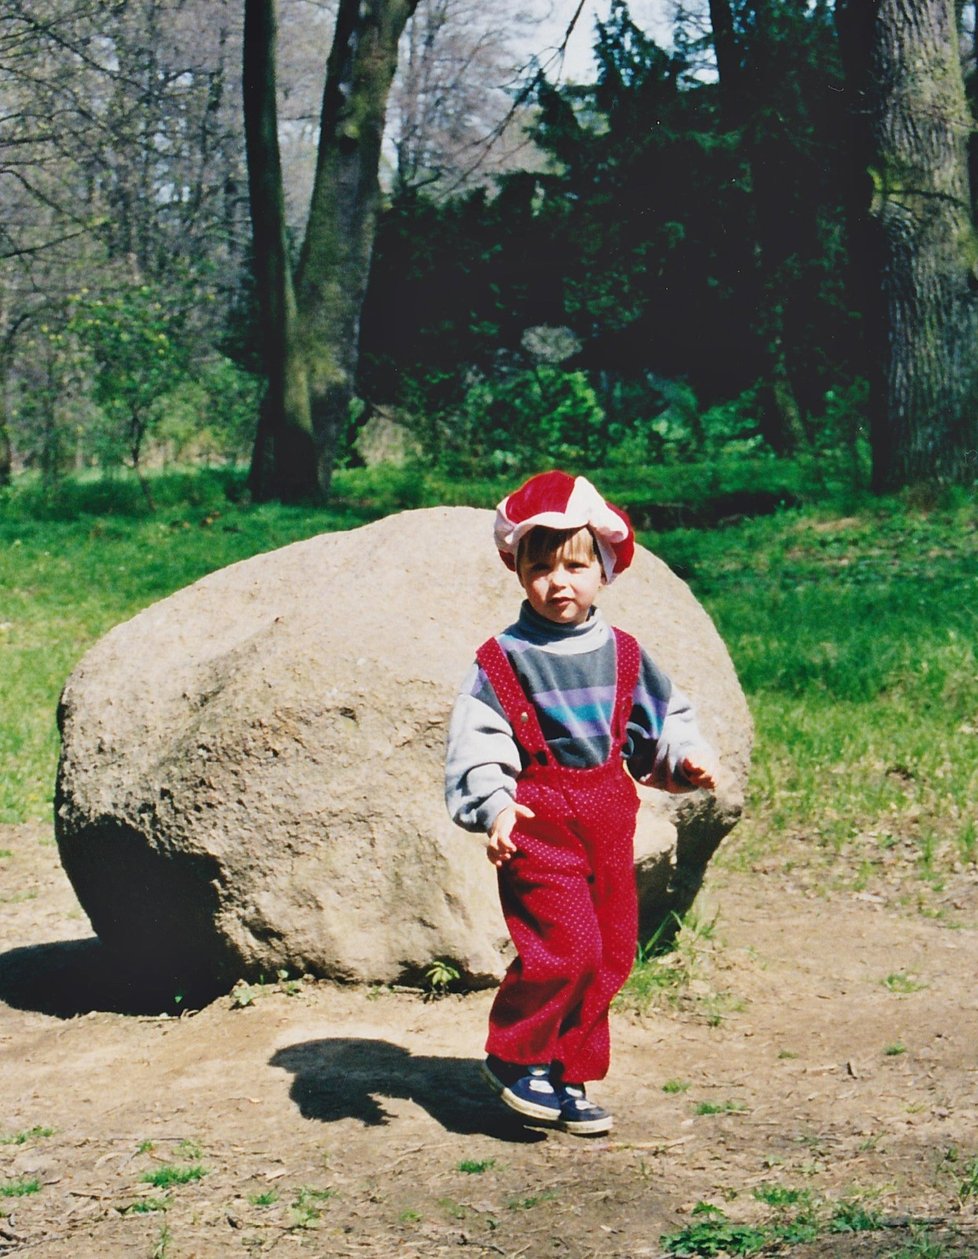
[[72, 977], [351, 1077]]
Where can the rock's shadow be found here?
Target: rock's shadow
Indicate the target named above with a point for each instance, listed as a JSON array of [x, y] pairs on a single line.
[[349, 1078], [71, 977]]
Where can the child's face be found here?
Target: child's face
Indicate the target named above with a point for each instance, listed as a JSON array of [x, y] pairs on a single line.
[[563, 584]]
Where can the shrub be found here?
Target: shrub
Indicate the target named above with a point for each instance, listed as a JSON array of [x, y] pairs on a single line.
[[514, 418]]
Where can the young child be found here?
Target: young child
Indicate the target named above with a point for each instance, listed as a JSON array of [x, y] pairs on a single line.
[[547, 720]]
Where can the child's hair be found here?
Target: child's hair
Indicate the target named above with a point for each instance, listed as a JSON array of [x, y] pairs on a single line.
[[542, 543]]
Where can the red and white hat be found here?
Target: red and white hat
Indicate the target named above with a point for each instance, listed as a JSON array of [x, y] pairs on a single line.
[[556, 500]]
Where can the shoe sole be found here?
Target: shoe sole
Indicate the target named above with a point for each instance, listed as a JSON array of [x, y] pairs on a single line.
[[529, 1110], [587, 1127]]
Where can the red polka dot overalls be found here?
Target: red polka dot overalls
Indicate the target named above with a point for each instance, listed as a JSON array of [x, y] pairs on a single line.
[[568, 892]]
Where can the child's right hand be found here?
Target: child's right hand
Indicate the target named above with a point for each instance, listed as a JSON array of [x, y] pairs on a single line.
[[699, 775], [500, 847]]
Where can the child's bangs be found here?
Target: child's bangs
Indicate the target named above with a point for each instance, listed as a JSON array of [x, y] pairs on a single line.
[[542, 544]]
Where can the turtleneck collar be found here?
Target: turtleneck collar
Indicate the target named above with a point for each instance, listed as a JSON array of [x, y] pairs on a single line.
[[536, 627]]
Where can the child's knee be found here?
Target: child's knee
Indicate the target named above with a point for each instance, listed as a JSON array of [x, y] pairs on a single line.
[[586, 958]]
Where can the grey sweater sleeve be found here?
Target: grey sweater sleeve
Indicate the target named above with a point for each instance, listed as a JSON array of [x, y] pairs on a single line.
[[482, 760], [662, 733]]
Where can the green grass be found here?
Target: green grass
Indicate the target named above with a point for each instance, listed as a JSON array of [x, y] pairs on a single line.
[[720, 1108], [852, 622], [711, 1233], [852, 1217], [145, 1206], [794, 1218], [27, 1134], [963, 1172], [902, 983], [782, 1197], [162, 1248], [306, 1208], [164, 1177], [855, 640], [19, 1188], [666, 967], [530, 1201], [475, 1167], [920, 1246]]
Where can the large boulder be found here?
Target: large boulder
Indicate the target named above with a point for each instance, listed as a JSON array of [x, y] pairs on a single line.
[[251, 769]]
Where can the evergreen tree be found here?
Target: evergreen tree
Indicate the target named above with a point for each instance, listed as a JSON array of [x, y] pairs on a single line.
[[683, 230]]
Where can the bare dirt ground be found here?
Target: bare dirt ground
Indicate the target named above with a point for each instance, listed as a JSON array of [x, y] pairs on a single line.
[[834, 1038]]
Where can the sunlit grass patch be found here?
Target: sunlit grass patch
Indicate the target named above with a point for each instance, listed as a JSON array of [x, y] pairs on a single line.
[[795, 1217], [854, 635], [710, 1232], [475, 1167], [21, 1188], [962, 1171], [853, 1217], [903, 983], [528, 1201], [728, 1107], [164, 1177], [26, 1135], [855, 641], [306, 1208], [145, 1206], [669, 971]]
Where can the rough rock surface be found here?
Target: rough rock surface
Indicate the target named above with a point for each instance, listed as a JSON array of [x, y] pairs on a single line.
[[251, 769]]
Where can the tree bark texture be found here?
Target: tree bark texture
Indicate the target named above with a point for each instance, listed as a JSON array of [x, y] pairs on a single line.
[[728, 62], [743, 72], [6, 453], [334, 265], [284, 459], [7, 345], [924, 424]]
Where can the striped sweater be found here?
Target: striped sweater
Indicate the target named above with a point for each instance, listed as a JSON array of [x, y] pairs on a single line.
[[568, 672]]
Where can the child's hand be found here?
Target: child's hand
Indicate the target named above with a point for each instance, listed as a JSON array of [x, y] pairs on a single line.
[[699, 775], [500, 847]]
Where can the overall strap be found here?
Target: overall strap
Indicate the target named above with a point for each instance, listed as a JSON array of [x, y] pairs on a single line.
[[520, 713], [629, 661]]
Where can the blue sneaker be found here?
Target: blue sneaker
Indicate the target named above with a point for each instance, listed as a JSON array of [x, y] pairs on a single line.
[[579, 1115], [527, 1090]]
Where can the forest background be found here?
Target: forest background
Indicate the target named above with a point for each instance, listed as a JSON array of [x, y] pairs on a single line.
[[755, 242]]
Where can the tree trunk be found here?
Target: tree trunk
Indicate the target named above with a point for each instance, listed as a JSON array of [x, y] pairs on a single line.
[[6, 364], [728, 62], [924, 423], [6, 453], [970, 73], [283, 463], [741, 73], [780, 420], [335, 261], [856, 22]]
